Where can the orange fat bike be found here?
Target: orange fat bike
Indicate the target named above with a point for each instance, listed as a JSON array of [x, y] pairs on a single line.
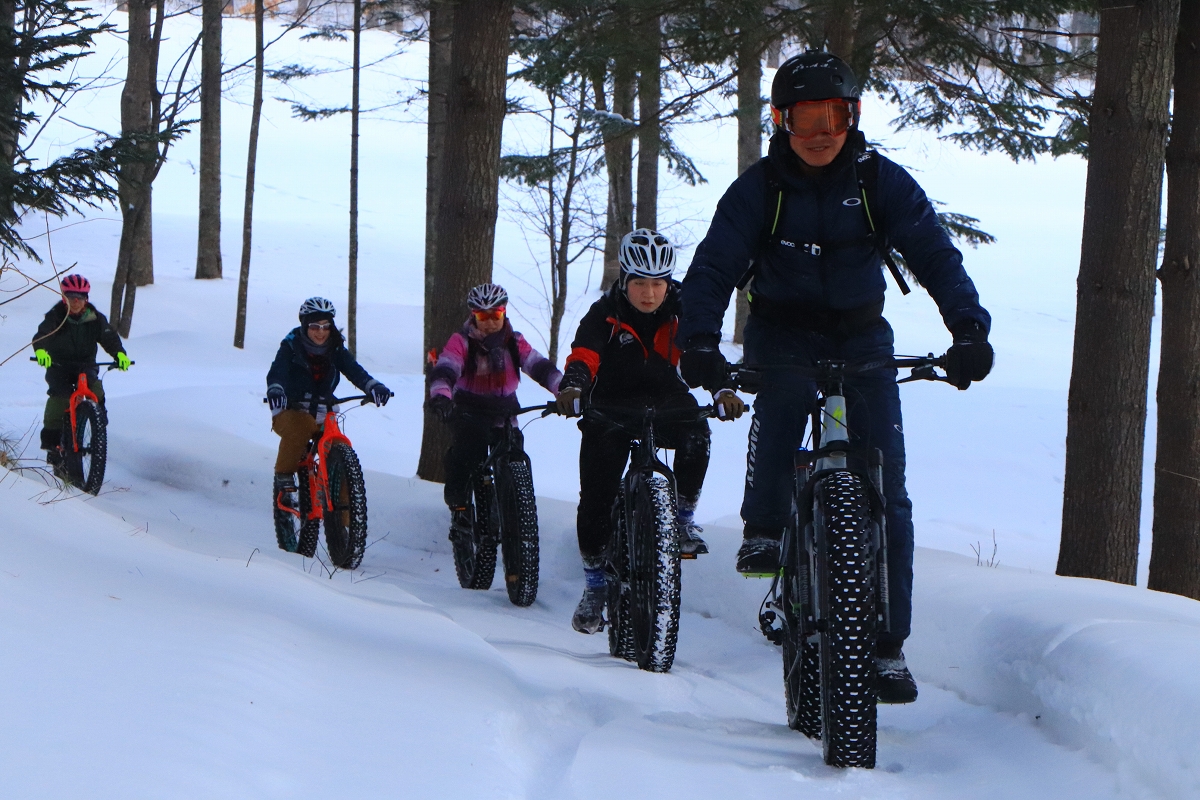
[[83, 451], [331, 490]]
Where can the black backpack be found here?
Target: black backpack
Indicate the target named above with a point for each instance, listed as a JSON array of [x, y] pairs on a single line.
[[866, 172]]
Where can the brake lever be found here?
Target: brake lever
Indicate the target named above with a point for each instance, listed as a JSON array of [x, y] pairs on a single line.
[[925, 373]]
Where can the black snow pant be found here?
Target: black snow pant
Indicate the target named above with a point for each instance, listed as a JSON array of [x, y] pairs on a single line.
[[603, 453], [473, 436]]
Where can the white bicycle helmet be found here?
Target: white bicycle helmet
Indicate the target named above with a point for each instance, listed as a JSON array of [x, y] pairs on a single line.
[[316, 308], [646, 254], [487, 296]]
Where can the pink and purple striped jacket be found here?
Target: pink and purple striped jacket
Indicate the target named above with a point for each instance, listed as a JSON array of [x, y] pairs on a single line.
[[482, 372]]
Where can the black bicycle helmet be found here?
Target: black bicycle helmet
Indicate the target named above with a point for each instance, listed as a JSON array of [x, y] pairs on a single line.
[[813, 76]]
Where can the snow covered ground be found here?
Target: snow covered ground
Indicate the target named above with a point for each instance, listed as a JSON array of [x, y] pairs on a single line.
[[155, 643]]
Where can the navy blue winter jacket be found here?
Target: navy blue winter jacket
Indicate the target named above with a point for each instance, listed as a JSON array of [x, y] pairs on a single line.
[[825, 210], [304, 376]]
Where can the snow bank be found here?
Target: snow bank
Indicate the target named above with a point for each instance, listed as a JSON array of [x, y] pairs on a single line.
[[1106, 668]]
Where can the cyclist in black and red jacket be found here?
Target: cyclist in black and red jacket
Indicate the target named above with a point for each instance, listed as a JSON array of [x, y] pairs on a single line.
[[624, 354]]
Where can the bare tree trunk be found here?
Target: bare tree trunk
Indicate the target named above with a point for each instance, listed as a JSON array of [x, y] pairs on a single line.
[[649, 125], [441, 29], [749, 119], [618, 157], [134, 257], [239, 332], [561, 261], [470, 178], [352, 300], [1175, 550], [839, 28], [208, 240], [10, 111], [1106, 405]]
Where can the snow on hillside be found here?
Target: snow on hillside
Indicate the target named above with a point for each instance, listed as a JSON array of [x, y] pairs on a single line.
[[156, 644]]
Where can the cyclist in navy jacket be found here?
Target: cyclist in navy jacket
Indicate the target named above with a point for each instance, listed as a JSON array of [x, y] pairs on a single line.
[[810, 223]]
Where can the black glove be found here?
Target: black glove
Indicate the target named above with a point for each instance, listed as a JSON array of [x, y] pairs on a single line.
[[970, 357], [441, 406], [380, 394], [276, 397], [702, 363]]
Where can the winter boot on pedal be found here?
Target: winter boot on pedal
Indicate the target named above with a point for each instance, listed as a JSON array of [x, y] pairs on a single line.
[[287, 514], [893, 681], [589, 614], [758, 557], [690, 543], [462, 523]]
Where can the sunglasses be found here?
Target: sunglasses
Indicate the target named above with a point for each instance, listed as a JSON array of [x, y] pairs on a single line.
[[485, 314], [807, 119], [75, 295], [320, 326]]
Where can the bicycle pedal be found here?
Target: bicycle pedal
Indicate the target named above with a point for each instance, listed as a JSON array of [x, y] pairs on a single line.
[[757, 574]]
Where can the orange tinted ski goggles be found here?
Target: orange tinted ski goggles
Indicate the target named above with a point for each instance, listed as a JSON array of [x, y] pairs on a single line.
[[484, 314], [809, 118]]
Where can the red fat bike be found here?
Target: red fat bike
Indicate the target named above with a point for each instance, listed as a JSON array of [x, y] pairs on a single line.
[[330, 489], [83, 451]]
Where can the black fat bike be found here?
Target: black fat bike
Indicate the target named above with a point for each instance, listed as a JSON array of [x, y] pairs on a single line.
[[829, 600], [503, 511], [642, 557]]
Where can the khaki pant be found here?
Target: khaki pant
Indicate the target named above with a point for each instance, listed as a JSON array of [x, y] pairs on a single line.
[[296, 429]]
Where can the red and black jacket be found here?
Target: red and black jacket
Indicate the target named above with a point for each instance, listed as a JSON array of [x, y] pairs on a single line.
[[624, 356]]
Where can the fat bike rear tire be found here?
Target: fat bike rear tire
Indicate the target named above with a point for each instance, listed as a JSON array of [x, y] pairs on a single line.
[[475, 554], [519, 532], [846, 593], [85, 469], [620, 622], [346, 523], [654, 573], [801, 657]]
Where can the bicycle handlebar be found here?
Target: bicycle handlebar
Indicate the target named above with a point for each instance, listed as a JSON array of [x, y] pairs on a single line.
[[333, 401], [748, 377], [109, 364]]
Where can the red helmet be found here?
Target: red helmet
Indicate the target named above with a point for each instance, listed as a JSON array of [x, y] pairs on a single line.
[[76, 284]]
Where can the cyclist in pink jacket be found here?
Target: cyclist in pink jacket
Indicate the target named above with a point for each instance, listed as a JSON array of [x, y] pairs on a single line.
[[473, 386]]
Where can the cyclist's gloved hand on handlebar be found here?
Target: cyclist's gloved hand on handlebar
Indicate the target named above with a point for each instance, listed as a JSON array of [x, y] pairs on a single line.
[[276, 398], [43, 358], [380, 394], [702, 363], [441, 406], [123, 362], [970, 357], [728, 405], [569, 401]]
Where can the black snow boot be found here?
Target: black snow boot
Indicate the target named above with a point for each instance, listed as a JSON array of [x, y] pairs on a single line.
[[589, 614], [287, 515], [758, 557], [894, 682]]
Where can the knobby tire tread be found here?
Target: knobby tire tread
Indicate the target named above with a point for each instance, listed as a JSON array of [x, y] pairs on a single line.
[[346, 524], [847, 577], [519, 537], [801, 657], [87, 416], [620, 624], [310, 529], [654, 574], [475, 557]]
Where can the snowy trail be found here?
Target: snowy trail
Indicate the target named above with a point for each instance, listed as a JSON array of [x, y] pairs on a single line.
[[155, 644]]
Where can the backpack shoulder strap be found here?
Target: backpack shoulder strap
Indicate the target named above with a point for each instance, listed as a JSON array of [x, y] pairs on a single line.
[[773, 211], [866, 170]]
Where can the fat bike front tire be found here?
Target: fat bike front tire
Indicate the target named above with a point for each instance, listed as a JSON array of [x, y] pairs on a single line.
[[654, 574], [846, 593], [519, 532], [85, 468], [475, 553], [620, 621], [346, 522], [801, 657]]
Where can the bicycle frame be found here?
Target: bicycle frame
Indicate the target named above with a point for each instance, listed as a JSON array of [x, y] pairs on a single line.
[[313, 464], [82, 392]]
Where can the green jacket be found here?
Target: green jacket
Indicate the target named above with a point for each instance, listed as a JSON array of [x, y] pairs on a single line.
[[72, 343]]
